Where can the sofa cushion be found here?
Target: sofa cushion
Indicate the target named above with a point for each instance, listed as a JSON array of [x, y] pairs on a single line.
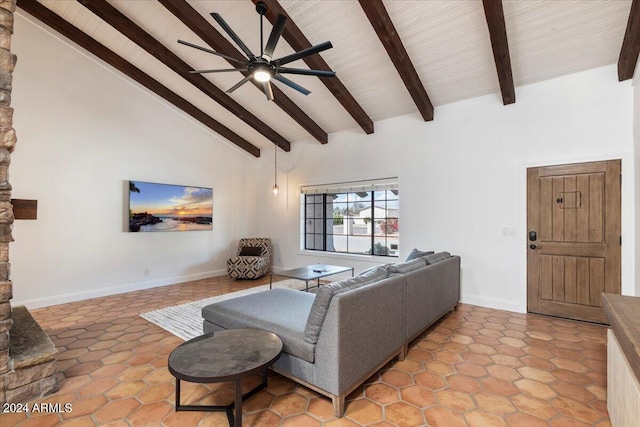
[[416, 254], [440, 256], [374, 274], [405, 267], [281, 311], [323, 299]]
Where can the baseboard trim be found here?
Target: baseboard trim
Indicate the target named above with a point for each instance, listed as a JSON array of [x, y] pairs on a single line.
[[102, 292], [498, 304]]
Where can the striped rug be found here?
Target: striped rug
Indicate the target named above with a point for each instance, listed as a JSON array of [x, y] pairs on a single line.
[[185, 320]]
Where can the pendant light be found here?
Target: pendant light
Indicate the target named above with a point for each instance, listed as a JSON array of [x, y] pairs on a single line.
[[275, 189]]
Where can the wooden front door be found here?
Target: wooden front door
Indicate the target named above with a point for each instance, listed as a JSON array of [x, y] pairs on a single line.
[[573, 238]]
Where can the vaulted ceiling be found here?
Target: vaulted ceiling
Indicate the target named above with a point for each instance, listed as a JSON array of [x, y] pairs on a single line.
[[392, 57]]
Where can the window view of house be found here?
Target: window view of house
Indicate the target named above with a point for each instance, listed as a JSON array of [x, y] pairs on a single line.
[[365, 223]]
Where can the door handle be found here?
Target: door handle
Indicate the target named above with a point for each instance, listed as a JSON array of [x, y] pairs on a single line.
[[532, 246]]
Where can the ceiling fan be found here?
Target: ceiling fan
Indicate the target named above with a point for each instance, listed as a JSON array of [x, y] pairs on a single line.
[[263, 68]]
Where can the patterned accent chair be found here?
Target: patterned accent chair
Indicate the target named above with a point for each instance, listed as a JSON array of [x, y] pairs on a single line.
[[253, 259]]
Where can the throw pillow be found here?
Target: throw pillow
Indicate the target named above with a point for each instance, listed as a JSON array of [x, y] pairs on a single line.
[[440, 256], [250, 251], [374, 274], [369, 269], [406, 267], [416, 254]]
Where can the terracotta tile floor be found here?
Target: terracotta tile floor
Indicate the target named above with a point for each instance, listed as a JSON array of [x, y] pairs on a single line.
[[477, 367]]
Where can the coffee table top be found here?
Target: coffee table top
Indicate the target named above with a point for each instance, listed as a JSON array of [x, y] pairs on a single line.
[[224, 355], [314, 271]]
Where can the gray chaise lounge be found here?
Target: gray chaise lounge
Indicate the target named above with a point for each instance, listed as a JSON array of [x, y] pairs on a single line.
[[335, 340]]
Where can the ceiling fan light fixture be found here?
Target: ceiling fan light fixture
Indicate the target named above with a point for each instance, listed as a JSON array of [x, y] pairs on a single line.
[[263, 68], [262, 76]]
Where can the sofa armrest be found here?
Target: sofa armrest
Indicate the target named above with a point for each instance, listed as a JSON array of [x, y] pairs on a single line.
[[430, 293], [362, 329]]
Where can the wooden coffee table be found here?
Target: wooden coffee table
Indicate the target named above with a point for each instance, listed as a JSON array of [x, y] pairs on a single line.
[[311, 272], [228, 355]]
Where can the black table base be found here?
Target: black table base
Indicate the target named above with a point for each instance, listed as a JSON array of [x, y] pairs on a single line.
[[229, 409], [227, 355]]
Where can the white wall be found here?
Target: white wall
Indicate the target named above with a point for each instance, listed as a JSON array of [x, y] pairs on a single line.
[[463, 176], [83, 130]]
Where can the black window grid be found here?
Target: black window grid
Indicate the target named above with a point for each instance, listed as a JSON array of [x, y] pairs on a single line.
[[319, 234]]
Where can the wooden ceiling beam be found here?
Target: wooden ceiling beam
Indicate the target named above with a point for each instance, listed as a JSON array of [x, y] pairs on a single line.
[[384, 28], [494, 13], [628, 58], [49, 18], [298, 41], [201, 27], [136, 34]]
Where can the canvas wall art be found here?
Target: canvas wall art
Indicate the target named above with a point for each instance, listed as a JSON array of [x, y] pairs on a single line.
[[165, 207]]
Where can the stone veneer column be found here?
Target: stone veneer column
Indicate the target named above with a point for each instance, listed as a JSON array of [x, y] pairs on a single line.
[[7, 144]]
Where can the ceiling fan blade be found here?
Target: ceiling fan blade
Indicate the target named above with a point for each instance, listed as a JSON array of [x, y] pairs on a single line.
[[304, 52], [291, 84], [195, 46], [305, 72], [240, 83], [217, 71], [276, 32], [266, 87], [233, 35]]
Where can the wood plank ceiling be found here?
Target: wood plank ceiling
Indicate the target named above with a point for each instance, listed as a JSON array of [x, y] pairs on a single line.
[[391, 57]]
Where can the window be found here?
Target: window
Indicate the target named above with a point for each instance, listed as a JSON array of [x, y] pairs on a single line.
[[353, 222]]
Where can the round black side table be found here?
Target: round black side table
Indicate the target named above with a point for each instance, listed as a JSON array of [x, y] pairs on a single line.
[[228, 355]]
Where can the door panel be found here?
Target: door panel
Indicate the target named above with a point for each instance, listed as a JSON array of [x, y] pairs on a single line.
[[573, 202], [557, 222], [570, 279], [582, 277], [596, 208], [582, 215], [575, 210]]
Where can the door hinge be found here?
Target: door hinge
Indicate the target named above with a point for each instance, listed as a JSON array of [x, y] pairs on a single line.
[[620, 240]]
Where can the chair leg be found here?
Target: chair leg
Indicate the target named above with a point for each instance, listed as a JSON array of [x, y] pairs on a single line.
[[338, 405]]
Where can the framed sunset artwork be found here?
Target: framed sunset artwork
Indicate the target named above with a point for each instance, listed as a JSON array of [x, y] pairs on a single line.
[[164, 207]]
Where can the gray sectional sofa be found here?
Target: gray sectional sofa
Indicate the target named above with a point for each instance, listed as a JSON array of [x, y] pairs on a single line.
[[336, 339]]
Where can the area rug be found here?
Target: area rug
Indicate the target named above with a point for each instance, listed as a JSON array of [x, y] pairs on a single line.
[[185, 320]]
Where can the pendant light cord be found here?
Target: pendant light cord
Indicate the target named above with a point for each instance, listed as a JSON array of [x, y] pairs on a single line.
[[276, 189]]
